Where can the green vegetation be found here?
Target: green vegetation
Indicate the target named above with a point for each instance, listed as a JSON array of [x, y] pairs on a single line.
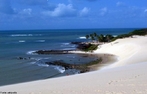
[[109, 38], [140, 32], [90, 47], [87, 47], [99, 38]]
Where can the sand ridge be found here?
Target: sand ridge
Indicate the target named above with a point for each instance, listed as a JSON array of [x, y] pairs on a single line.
[[126, 49]]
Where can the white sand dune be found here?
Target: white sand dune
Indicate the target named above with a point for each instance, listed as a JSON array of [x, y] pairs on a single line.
[[126, 76], [128, 50]]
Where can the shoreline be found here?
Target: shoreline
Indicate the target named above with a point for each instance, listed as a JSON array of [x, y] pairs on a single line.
[[126, 76], [107, 59]]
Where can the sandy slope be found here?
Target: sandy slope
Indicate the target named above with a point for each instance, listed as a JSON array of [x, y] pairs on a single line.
[[128, 50], [126, 76]]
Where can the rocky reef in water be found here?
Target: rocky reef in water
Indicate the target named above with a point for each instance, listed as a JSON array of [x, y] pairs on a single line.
[[81, 67], [53, 51]]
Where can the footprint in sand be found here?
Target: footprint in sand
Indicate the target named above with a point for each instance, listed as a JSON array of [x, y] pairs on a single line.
[[110, 82], [113, 82], [137, 76]]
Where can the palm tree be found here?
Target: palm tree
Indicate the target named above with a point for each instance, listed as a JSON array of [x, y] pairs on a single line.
[[94, 34], [87, 36], [101, 38], [97, 38], [91, 36], [109, 37]]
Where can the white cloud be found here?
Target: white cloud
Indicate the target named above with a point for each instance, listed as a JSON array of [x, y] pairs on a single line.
[[62, 10], [120, 4], [84, 11], [145, 10], [25, 13], [103, 11]]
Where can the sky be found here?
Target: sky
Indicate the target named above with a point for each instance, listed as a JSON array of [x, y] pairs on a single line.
[[72, 14]]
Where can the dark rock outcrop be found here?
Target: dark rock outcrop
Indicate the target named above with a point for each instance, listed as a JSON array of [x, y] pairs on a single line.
[[81, 45], [53, 51], [77, 43], [67, 66]]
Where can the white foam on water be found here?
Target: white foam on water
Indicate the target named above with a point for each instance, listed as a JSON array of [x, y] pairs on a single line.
[[25, 35], [82, 37], [68, 46], [21, 35], [69, 49], [21, 41], [43, 65], [31, 53], [40, 41], [60, 69], [32, 62], [65, 44]]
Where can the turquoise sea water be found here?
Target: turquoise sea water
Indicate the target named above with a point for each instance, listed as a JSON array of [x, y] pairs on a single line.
[[19, 43]]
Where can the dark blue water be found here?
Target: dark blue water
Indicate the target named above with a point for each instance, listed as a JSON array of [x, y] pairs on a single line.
[[14, 44]]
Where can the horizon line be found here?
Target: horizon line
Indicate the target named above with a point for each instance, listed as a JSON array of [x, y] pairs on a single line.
[[72, 29]]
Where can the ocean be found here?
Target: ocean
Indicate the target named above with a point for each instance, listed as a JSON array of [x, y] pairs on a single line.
[[20, 43]]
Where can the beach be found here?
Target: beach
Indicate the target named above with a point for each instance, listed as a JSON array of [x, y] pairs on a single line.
[[107, 59], [127, 75]]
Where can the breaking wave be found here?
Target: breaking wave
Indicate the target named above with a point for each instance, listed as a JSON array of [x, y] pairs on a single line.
[[40, 41], [43, 65], [31, 53], [65, 44], [82, 37], [25, 35], [60, 69], [22, 41], [40, 63], [68, 46]]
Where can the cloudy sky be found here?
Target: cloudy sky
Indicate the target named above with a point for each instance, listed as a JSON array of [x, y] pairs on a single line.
[[72, 14]]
